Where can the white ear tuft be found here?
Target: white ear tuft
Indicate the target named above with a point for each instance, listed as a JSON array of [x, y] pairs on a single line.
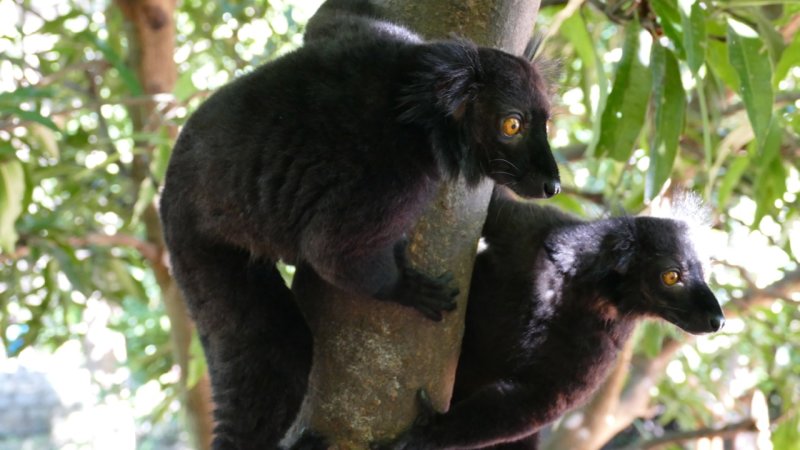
[[688, 207]]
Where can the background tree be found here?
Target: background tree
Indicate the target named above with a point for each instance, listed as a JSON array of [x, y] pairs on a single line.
[[653, 94]]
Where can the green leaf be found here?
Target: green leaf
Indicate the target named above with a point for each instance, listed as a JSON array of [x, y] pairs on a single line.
[[625, 110], [787, 434], [569, 203], [574, 29], [197, 362], [670, 20], [161, 161], [768, 33], [770, 179], [32, 116], [749, 58], [25, 93], [719, 63], [789, 58], [693, 20], [129, 78], [184, 87], [46, 139], [12, 194], [669, 98], [146, 195], [651, 338], [731, 178]]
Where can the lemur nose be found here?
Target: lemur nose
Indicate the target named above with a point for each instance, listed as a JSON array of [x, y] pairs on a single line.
[[716, 322], [551, 188]]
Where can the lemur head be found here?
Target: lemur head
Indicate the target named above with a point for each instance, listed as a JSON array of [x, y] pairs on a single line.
[[491, 108], [661, 275]]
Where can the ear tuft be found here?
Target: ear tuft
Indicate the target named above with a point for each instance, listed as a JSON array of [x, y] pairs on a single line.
[[619, 247], [447, 79]]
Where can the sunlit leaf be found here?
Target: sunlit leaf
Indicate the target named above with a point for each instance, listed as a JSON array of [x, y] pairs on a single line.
[[790, 58], [693, 20], [731, 178], [12, 194], [32, 116], [128, 76], [770, 180], [769, 34], [22, 94], [670, 19], [749, 57], [718, 61], [47, 140], [625, 109], [197, 361], [669, 99]]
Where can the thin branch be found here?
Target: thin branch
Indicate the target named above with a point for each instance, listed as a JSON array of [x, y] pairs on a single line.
[[790, 29], [781, 289], [149, 251], [14, 122], [780, 98], [727, 431], [19, 252], [96, 65]]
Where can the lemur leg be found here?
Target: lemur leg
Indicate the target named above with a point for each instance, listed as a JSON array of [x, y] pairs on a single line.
[[256, 342]]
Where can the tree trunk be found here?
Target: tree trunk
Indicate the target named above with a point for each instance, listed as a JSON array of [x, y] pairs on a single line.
[[152, 46], [371, 357]]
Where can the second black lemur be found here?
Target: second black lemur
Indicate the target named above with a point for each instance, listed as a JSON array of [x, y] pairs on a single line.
[[553, 300]]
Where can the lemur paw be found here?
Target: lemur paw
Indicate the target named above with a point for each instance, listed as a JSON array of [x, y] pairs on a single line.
[[428, 295]]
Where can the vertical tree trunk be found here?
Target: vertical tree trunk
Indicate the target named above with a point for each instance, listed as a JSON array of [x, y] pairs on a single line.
[[152, 46], [371, 357]]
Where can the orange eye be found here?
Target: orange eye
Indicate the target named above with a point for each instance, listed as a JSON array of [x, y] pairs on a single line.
[[670, 277], [511, 126]]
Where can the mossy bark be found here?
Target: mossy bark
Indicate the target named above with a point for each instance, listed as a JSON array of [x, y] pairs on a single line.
[[371, 357]]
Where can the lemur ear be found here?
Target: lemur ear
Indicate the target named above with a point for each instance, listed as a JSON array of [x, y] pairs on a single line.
[[618, 249], [447, 80]]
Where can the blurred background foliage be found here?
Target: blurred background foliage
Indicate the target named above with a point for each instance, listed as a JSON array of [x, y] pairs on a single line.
[[652, 95]]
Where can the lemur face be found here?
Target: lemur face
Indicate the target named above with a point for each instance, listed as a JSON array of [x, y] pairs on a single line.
[[671, 278], [510, 117]]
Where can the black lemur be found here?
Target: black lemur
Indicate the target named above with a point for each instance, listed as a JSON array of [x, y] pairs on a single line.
[[553, 299], [326, 157]]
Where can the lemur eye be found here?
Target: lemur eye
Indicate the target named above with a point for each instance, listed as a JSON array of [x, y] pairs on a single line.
[[511, 125], [671, 277]]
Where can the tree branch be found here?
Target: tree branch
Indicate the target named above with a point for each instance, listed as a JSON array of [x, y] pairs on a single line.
[[680, 437], [786, 288], [149, 251]]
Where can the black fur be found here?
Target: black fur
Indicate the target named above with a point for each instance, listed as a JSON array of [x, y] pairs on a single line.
[[326, 157], [553, 300]]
